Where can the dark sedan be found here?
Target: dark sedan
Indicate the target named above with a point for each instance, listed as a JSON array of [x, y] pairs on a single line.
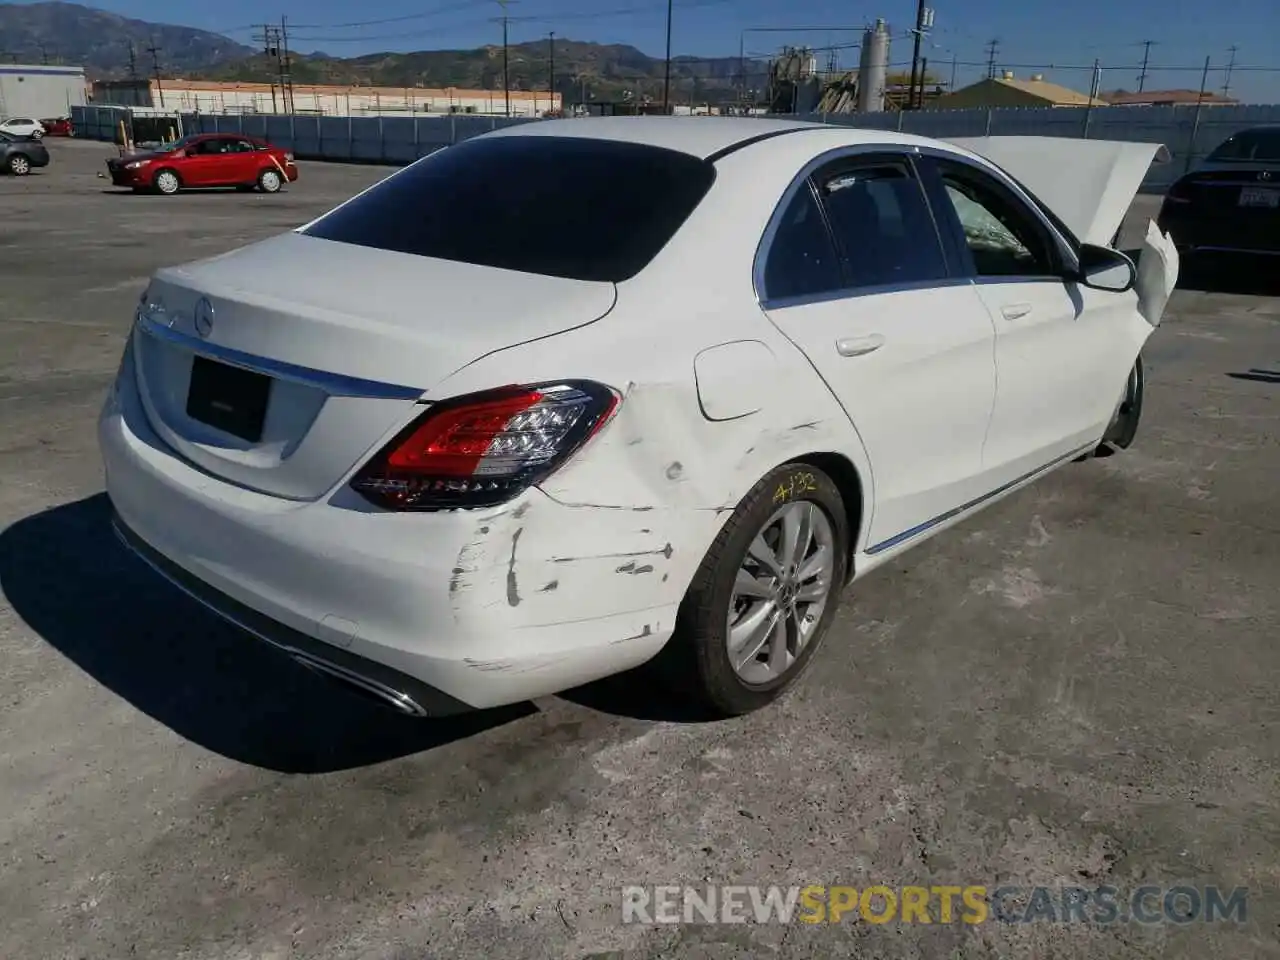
[[1231, 204], [20, 155]]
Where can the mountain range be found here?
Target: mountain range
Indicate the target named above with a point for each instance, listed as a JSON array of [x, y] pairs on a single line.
[[111, 46]]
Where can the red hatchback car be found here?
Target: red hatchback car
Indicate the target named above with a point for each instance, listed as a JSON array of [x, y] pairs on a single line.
[[206, 160]]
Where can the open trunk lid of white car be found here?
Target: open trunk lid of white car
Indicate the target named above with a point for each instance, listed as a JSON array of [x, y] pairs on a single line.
[[1090, 185], [280, 365]]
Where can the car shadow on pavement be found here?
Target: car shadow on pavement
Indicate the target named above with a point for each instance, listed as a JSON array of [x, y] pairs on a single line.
[[65, 574], [1260, 376]]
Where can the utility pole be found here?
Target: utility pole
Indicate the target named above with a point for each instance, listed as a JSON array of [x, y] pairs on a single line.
[[286, 67], [133, 62], [506, 56], [155, 66], [992, 48], [271, 48], [1146, 57], [44, 52], [1231, 65], [551, 68], [924, 18], [666, 77]]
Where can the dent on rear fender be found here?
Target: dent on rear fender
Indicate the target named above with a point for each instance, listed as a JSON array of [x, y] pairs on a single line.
[[538, 564], [660, 453]]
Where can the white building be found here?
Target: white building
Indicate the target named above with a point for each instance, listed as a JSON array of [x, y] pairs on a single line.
[[40, 91], [206, 96]]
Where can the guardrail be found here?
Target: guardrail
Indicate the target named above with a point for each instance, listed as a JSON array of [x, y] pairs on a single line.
[[1189, 132]]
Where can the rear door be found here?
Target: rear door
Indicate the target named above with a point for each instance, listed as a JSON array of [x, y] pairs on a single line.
[[1062, 351], [856, 276], [242, 159]]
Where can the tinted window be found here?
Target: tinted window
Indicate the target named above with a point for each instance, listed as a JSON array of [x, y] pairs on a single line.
[[882, 223], [801, 260], [1249, 145], [1003, 237], [560, 206]]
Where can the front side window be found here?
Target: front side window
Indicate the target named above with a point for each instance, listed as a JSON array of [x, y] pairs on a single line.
[[574, 207], [1002, 236], [801, 260], [881, 221]]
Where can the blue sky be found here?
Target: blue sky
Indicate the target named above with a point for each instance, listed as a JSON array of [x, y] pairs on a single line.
[[1050, 38]]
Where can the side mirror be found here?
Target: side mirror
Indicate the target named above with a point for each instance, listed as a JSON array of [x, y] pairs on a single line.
[[189, 152], [1105, 268]]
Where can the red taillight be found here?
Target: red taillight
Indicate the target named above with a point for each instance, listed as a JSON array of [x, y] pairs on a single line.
[[483, 449]]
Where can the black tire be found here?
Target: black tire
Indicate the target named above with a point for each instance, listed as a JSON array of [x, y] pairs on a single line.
[[19, 164], [696, 662], [1124, 425], [270, 181]]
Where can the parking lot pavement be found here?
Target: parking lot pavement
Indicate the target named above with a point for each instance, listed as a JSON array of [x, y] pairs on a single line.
[[1076, 688]]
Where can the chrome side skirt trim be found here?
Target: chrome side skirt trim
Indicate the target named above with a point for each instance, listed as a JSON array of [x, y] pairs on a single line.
[[917, 530]]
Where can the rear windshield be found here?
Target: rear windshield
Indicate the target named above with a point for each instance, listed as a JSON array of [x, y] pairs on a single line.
[[571, 207], [1249, 145]]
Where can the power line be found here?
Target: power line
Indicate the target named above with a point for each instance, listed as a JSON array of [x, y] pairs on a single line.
[[594, 15]]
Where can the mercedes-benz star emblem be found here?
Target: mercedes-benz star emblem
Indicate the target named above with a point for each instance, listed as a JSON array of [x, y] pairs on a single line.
[[1264, 175], [203, 318]]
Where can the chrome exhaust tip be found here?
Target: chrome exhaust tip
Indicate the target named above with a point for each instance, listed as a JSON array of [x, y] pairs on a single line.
[[380, 693]]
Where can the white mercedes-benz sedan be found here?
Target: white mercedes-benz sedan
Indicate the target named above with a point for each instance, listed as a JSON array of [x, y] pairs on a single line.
[[567, 396]]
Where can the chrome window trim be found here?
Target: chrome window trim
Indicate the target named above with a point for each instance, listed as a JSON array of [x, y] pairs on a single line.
[[900, 151], [333, 384], [853, 293], [1066, 248]]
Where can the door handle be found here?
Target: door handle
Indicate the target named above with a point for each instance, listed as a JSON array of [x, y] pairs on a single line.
[[859, 346], [1013, 311]]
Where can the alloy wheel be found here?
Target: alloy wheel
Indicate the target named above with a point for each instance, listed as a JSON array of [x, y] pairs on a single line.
[[781, 589], [21, 166]]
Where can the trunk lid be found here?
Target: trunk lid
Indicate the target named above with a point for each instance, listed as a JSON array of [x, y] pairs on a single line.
[[348, 337], [1089, 184]]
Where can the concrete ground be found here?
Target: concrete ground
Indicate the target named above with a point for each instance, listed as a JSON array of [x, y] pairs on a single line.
[[1077, 687]]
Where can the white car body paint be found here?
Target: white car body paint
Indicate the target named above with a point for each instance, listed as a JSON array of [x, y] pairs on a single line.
[[582, 576]]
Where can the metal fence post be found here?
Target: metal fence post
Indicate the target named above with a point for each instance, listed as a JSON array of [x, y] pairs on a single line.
[[351, 136], [901, 114], [382, 140], [987, 133]]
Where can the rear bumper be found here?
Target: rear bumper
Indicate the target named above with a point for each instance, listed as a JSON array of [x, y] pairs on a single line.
[[456, 610], [1196, 230]]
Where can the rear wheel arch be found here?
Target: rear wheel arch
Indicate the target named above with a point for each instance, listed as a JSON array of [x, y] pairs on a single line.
[[852, 492]]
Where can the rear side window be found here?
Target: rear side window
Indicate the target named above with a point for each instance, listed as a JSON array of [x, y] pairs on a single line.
[[802, 260], [882, 223], [570, 207], [1249, 145]]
